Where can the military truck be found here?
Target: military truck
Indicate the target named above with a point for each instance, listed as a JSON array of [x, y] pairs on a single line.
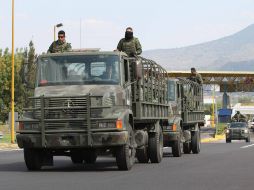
[[187, 115], [90, 103]]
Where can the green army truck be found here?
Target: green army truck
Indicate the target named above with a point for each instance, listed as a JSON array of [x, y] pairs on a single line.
[[187, 115], [90, 103]]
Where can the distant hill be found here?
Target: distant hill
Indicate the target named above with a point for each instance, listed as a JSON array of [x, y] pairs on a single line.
[[234, 53]]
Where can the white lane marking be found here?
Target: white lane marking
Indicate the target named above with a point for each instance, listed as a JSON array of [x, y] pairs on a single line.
[[247, 146]]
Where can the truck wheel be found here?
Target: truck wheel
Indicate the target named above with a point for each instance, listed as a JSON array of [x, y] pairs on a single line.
[[195, 142], [90, 156], [228, 140], [76, 157], [187, 147], [248, 139], [176, 148], [33, 158], [142, 155], [155, 146], [125, 155]]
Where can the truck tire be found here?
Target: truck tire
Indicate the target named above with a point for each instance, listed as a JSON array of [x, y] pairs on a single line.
[[142, 155], [33, 159], [125, 155], [187, 147], [176, 148], [228, 140], [76, 157], [195, 142], [155, 146], [90, 156], [248, 139]]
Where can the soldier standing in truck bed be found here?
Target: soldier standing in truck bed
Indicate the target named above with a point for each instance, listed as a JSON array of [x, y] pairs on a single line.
[[195, 76], [130, 44], [239, 117], [60, 45]]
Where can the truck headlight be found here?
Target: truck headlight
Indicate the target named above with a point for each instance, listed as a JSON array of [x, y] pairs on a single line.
[[245, 130], [227, 131]]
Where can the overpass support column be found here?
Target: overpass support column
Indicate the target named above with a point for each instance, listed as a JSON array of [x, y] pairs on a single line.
[[225, 98]]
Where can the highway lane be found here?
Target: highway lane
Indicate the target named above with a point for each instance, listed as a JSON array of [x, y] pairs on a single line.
[[218, 166]]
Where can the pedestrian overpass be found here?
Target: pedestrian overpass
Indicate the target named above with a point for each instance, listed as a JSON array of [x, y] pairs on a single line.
[[229, 81]]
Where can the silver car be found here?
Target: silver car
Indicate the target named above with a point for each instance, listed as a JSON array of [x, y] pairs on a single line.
[[238, 131]]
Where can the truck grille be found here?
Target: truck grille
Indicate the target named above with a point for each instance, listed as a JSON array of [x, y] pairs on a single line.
[[62, 108], [66, 108]]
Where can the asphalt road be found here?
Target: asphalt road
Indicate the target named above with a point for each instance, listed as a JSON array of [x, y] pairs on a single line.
[[218, 166]]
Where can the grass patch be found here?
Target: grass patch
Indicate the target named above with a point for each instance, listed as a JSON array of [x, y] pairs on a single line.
[[6, 138], [221, 128], [4, 128], [6, 134]]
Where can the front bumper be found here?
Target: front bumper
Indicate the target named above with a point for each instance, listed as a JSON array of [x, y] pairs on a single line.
[[239, 136], [72, 140]]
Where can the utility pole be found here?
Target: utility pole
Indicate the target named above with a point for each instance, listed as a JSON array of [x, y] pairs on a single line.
[[213, 107], [12, 78]]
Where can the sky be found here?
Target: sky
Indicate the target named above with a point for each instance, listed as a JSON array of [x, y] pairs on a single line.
[[160, 24]]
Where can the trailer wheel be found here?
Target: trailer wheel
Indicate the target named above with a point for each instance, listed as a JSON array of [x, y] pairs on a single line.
[[176, 148], [33, 158], [155, 146], [195, 141], [76, 157], [142, 155], [125, 155], [90, 156], [187, 148]]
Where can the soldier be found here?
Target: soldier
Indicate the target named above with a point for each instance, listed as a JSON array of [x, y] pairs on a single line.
[[130, 45], [195, 76], [239, 117], [60, 45]]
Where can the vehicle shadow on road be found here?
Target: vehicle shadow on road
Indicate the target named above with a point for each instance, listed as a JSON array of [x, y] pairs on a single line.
[[103, 166], [63, 166]]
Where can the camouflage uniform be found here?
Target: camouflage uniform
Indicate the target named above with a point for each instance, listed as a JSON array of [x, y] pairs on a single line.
[[196, 78], [131, 47], [58, 46], [239, 117]]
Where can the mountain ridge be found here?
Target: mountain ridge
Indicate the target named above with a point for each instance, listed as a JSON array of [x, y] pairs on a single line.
[[212, 55]]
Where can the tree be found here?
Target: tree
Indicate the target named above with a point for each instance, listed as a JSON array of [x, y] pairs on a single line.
[[22, 59]]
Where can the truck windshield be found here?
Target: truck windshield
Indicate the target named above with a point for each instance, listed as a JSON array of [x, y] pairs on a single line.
[[78, 69], [238, 125]]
